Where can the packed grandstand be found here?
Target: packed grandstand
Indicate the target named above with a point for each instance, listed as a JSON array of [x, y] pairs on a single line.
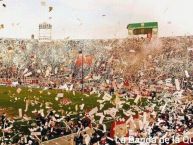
[[123, 74]]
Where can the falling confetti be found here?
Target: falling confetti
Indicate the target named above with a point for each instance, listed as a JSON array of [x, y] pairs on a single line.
[[50, 9], [4, 5]]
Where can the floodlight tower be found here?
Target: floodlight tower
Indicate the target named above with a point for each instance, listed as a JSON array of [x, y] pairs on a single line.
[[45, 32]]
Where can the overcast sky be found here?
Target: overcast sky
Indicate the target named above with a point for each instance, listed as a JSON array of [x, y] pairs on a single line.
[[87, 19]]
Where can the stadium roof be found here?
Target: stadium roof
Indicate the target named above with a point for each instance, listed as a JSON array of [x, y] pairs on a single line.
[[133, 26]]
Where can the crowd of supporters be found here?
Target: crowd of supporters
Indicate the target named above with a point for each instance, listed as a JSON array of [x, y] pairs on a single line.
[[159, 70]]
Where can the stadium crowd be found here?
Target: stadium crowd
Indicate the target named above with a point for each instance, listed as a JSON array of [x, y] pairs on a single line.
[[159, 70]]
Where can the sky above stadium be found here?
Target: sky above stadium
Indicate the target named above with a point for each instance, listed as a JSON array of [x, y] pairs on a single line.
[[88, 19]]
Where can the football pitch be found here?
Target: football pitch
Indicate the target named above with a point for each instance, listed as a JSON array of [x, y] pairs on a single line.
[[37, 100], [12, 99]]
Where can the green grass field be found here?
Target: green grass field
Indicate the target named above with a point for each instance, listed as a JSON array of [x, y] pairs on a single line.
[[11, 101]]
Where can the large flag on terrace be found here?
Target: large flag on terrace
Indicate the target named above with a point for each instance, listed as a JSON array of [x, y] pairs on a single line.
[[84, 59], [118, 129]]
